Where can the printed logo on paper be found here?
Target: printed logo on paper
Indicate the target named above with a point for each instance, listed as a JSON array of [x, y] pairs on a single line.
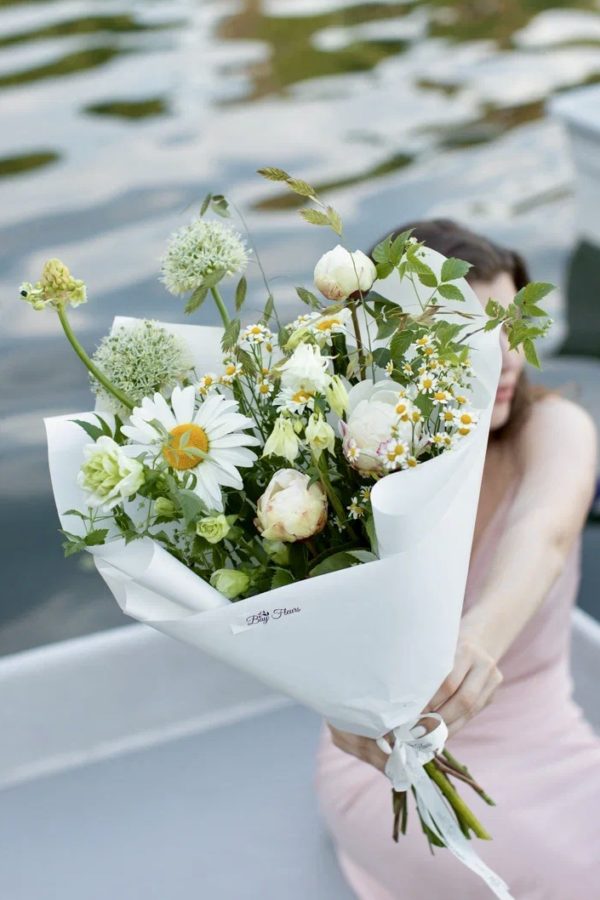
[[264, 616]]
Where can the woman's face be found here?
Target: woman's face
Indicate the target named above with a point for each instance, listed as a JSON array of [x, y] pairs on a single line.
[[502, 288]]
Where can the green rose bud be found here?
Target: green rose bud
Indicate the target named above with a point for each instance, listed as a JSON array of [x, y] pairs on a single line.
[[213, 529], [165, 508], [277, 551], [230, 582]]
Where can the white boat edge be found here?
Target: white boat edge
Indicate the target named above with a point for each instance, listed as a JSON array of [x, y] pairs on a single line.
[[76, 702]]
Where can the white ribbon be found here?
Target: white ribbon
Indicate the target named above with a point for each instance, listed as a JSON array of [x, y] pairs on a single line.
[[413, 748]]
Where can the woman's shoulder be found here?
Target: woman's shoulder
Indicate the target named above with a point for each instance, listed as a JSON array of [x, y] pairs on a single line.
[[557, 434]]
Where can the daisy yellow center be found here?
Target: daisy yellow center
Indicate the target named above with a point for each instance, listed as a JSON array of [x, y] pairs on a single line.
[[264, 388], [301, 396], [395, 452], [195, 438], [466, 419], [256, 329], [411, 461], [427, 383], [401, 408], [230, 370], [440, 395], [327, 324]]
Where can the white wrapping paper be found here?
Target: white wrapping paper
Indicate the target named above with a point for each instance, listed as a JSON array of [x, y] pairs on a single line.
[[365, 647]]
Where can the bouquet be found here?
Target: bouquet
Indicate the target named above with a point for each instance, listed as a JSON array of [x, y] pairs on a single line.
[[299, 498]]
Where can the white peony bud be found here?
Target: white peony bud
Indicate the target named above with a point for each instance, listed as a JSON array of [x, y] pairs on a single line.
[[339, 273], [291, 509], [372, 422]]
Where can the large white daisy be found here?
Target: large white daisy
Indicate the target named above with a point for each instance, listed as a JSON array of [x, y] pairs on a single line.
[[213, 430]]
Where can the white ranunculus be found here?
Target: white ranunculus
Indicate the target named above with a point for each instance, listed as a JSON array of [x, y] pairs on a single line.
[[372, 415], [108, 476], [291, 509], [306, 370], [283, 440], [340, 273]]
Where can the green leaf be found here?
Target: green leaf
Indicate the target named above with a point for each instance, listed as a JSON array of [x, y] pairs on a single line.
[[429, 279], [398, 246], [341, 560], [205, 204], [272, 173], [220, 205], [381, 356], [400, 344], [95, 537], [384, 269], [268, 310], [192, 506], [531, 353], [280, 578], [450, 292], [314, 216], [301, 187], [370, 528], [240, 293], [196, 300], [335, 220], [453, 269], [91, 430], [533, 292], [308, 298], [381, 252], [230, 336]]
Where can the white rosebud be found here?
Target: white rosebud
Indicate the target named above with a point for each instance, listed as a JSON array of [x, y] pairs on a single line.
[[320, 435], [108, 476], [282, 441], [339, 273], [230, 582], [306, 370], [337, 396], [291, 509], [371, 421], [213, 528]]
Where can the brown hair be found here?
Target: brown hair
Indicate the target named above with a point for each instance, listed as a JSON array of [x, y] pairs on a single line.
[[488, 260]]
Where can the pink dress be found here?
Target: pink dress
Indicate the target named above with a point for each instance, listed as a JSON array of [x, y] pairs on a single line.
[[530, 748]]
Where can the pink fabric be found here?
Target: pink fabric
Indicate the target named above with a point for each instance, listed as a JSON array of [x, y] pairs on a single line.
[[532, 750]]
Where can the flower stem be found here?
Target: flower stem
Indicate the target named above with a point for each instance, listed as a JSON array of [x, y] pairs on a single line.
[[359, 343], [328, 488], [85, 359], [456, 802], [220, 306]]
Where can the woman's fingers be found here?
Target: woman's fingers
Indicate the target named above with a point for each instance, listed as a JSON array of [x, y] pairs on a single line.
[[448, 688], [363, 748], [474, 694]]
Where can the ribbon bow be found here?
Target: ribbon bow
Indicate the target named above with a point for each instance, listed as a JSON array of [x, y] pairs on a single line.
[[413, 748]]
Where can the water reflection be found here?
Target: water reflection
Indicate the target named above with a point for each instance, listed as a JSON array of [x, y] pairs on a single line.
[[118, 117]]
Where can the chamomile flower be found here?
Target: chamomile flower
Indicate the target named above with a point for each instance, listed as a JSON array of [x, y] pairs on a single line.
[[264, 389], [403, 408], [424, 342], [207, 383], [466, 420], [209, 441], [365, 494], [300, 321], [448, 416], [461, 399], [295, 401], [393, 453], [355, 510], [439, 439], [255, 334], [232, 371], [427, 383], [411, 462], [325, 327], [389, 368], [199, 250], [441, 397], [406, 369]]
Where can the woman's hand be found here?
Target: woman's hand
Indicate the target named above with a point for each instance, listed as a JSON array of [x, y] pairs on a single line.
[[363, 748], [469, 687]]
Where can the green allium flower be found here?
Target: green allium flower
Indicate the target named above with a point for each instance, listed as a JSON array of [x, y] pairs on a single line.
[[140, 361], [198, 250], [56, 286]]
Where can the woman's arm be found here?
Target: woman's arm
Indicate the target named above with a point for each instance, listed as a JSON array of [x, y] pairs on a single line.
[[556, 456]]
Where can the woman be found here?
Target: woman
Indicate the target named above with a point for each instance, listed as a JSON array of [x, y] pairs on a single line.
[[529, 746]]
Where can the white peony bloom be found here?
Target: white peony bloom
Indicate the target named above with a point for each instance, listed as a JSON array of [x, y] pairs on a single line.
[[339, 273], [291, 509], [108, 476], [372, 421], [282, 441], [306, 370]]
